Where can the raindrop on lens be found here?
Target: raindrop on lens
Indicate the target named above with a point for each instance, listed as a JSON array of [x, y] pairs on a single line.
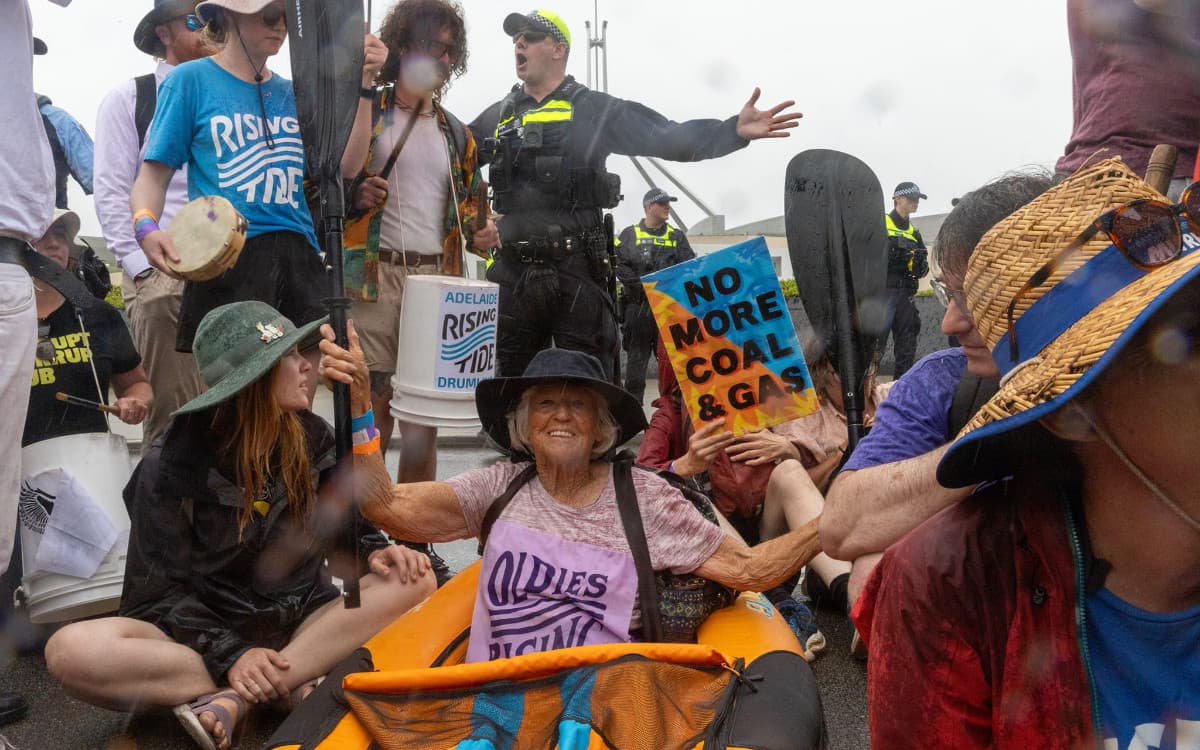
[[1171, 346]]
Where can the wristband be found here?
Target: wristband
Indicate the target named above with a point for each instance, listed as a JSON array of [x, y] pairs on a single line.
[[358, 437], [671, 467], [144, 227], [363, 422], [366, 93], [144, 212], [366, 449]]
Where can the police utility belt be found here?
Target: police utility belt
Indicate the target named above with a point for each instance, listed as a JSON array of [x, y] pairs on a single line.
[[551, 249]]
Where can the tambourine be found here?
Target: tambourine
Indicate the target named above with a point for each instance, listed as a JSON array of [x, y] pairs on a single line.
[[208, 234]]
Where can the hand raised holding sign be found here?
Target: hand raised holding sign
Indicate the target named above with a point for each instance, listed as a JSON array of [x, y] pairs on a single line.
[[703, 446]]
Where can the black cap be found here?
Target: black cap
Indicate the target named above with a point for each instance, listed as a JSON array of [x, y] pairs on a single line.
[[908, 190], [538, 20], [39, 47], [657, 195]]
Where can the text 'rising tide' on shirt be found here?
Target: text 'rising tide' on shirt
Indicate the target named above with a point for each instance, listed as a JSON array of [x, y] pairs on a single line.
[[212, 121]]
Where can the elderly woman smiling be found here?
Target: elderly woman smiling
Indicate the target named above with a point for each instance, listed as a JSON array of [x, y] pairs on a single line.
[[557, 568]]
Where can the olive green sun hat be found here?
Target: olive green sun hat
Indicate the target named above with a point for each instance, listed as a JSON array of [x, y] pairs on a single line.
[[238, 343]]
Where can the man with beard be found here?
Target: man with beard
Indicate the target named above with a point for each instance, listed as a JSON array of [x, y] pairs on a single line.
[[547, 142], [151, 297], [418, 216]]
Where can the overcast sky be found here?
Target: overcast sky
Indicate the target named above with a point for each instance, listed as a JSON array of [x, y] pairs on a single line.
[[946, 93]]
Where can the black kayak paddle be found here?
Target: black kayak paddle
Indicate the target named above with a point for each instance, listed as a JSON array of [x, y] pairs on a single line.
[[833, 211], [326, 38]]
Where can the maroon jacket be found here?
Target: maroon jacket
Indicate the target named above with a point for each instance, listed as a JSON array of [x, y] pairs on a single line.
[[971, 625]]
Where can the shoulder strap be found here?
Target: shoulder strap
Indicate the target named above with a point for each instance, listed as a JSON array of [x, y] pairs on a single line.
[[457, 130], [972, 393], [635, 533], [143, 109], [497, 507]]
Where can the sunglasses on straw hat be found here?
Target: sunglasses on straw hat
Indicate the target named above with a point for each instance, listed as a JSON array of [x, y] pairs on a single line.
[[1148, 232]]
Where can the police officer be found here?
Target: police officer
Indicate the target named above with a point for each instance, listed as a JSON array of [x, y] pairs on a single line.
[[648, 246], [547, 142], [908, 261]]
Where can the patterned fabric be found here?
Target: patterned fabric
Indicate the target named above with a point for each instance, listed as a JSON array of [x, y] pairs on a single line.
[[361, 237]]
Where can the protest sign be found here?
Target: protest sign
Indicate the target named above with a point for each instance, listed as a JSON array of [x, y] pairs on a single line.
[[731, 341]]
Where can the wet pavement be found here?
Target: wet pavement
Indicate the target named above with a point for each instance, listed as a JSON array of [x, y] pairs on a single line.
[[56, 721]]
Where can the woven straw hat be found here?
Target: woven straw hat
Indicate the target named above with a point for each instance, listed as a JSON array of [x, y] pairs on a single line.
[[1071, 327]]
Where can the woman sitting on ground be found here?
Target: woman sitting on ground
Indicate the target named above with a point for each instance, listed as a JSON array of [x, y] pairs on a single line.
[[559, 547], [233, 514]]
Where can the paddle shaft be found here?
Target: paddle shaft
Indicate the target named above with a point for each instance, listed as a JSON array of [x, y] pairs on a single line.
[[847, 364]]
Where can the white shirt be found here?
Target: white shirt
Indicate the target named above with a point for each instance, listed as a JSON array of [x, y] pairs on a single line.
[[118, 159], [414, 217], [26, 164]]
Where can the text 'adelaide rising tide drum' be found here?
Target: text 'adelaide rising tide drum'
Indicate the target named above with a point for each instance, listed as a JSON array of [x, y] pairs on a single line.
[[208, 234], [447, 345], [99, 463]]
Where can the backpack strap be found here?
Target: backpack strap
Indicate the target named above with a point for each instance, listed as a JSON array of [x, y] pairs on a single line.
[[143, 109], [497, 507], [635, 534], [972, 393], [458, 131]]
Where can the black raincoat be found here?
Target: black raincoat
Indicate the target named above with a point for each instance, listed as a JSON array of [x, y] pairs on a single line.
[[189, 573]]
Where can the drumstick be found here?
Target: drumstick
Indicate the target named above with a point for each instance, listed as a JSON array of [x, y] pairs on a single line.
[[481, 206], [76, 401]]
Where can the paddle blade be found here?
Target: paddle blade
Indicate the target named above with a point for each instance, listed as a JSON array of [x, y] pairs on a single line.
[[326, 39], [833, 212]]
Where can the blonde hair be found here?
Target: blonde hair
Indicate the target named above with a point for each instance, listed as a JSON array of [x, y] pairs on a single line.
[[518, 424]]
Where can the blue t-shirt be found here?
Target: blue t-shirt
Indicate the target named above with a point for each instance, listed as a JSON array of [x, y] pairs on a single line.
[[1147, 672], [915, 416], [210, 119]]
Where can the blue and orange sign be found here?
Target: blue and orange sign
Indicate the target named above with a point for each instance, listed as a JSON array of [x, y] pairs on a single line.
[[730, 338]]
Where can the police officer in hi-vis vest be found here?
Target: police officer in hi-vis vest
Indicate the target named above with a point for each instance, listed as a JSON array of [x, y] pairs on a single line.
[[547, 142], [908, 261], [648, 246]]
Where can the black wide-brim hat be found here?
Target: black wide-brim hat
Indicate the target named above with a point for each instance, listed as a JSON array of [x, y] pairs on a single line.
[[496, 397], [144, 37]]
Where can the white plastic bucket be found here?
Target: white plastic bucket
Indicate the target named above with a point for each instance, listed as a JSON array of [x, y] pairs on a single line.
[[100, 462], [447, 345]]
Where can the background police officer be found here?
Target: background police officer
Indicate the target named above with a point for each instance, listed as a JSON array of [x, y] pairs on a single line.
[[547, 142], [908, 261], [648, 246]]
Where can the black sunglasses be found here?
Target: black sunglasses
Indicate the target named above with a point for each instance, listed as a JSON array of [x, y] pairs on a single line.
[[272, 15], [531, 37], [436, 49], [1146, 231]]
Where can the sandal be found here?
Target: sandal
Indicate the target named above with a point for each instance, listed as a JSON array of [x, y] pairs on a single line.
[[189, 716]]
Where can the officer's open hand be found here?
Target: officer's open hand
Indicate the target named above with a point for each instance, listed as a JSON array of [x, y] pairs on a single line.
[[754, 123]]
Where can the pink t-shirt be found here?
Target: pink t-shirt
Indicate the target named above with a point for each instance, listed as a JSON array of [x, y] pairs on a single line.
[[557, 576]]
